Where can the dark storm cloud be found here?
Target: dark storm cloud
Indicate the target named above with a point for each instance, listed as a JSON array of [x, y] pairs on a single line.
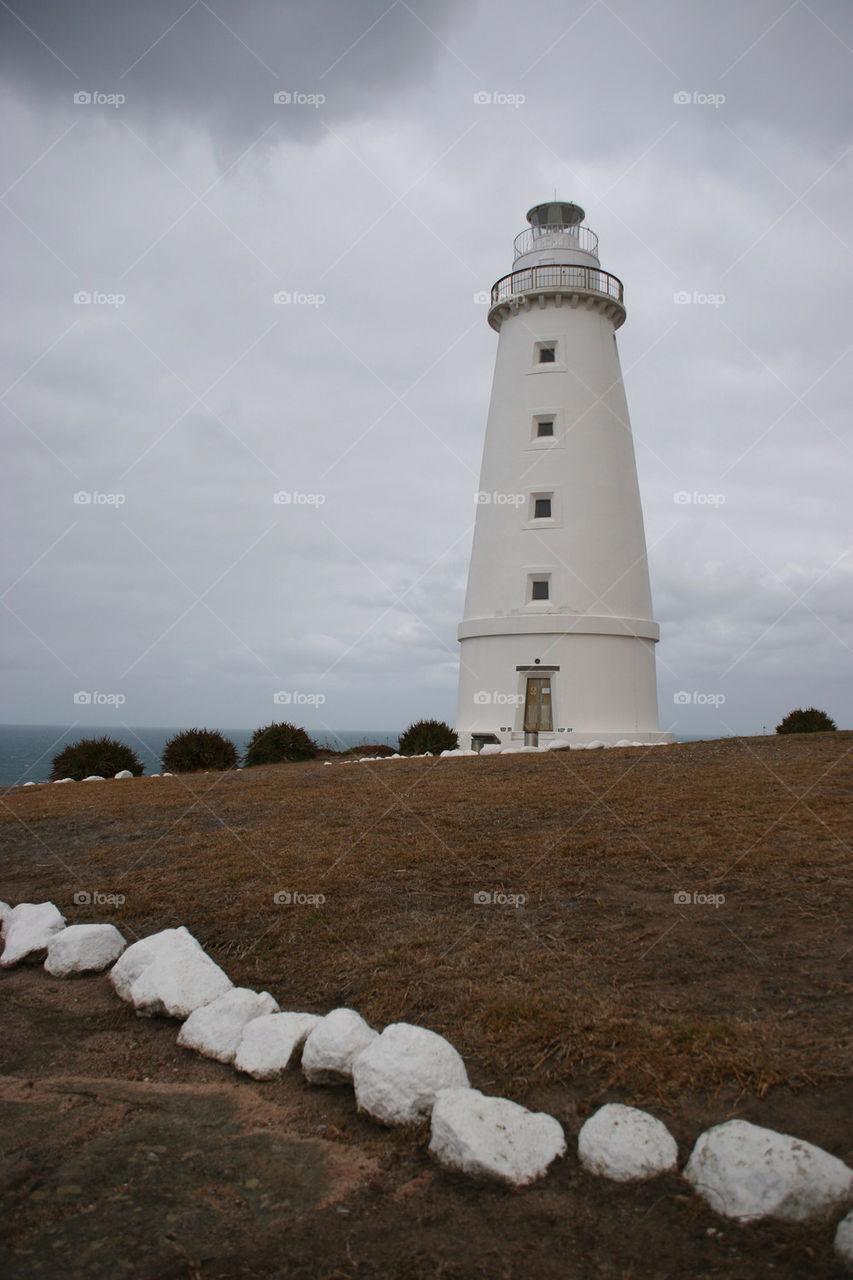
[[218, 63]]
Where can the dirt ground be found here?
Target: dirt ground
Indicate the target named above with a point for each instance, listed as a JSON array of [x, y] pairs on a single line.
[[125, 1156]]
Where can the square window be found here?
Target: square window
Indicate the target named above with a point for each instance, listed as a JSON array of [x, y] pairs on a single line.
[[539, 589], [547, 353], [544, 428], [542, 509]]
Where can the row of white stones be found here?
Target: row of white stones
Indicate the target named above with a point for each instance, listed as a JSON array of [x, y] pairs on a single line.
[[408, 1074]]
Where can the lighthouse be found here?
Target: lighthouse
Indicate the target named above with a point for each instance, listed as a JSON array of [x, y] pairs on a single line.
[[557, 641]]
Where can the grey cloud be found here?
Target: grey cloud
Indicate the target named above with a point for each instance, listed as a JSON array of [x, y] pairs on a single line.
[[217, 63]]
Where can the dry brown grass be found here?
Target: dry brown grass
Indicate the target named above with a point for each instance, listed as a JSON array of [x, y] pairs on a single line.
[[599, 979]]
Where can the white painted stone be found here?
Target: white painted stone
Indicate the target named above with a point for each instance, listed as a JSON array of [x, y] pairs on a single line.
[[556, 745], [83, 948], [491, 749], [270, 1043], [29, 928], [333, 1045], [94, 777], [215, 1030], [746, 1172], [844, 1241], [29, 784], [141, 954], [493, 1137], [58, 781], [124, 773], [5, 914], [398, 1075], [625, 1144], [178, 985]]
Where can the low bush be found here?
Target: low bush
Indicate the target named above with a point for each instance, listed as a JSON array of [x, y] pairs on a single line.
[[373, 749], [194, 750], [808, 720], [275, 743], [103, 757], [428, 735]]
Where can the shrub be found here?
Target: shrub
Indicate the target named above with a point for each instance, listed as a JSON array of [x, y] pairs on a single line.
[[277, 742], [102, 756], [197, 749], [372, 749], [809, 720], [428, 735]]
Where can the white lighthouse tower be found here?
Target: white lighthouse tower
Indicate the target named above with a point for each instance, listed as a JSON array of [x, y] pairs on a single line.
[[557, 638]]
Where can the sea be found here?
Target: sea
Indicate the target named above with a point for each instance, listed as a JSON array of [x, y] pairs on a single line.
[[27, 750]]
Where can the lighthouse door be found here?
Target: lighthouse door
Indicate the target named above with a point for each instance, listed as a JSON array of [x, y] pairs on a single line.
[[537, 705]]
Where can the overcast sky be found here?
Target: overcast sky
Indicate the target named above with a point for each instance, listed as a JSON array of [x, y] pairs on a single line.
[[147, 166]]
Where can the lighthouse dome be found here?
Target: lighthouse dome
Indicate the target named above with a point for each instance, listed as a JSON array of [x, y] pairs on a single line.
[[556, 235]]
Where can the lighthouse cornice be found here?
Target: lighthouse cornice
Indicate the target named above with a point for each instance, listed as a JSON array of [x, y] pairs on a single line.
[[560, 624], [560, 285]]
